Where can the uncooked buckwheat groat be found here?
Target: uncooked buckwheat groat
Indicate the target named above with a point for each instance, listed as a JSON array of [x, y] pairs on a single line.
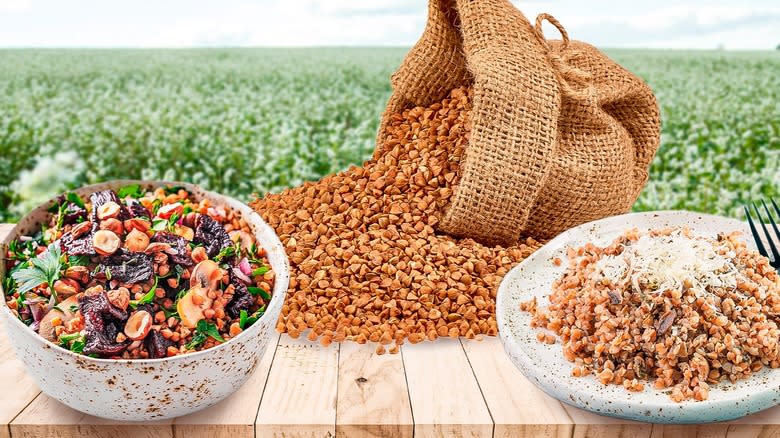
[[367, 263]]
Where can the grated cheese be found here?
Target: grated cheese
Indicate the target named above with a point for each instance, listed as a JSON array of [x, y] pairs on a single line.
[[669, 263]]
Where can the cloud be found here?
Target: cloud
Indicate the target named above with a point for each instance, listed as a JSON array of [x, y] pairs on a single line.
[[197, 23], [15, 5]]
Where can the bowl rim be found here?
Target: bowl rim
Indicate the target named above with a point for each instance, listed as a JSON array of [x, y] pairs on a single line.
[[91, 188]]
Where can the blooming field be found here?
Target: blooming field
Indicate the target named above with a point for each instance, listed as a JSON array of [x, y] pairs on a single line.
[[245, 121]]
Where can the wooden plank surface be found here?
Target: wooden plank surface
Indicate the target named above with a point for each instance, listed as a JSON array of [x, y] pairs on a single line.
[[518, 408], [300, 395], [46, 417], [446, 399], [444, 388], [235, 416], [373, 399]]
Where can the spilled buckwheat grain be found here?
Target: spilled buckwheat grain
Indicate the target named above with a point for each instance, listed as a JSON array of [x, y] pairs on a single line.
[[366, 262]]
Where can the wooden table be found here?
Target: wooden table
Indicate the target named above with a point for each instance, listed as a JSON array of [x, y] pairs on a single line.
[[443, 388]]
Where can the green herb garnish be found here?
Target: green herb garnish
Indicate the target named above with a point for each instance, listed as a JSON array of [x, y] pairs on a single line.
[[132, 190], [74, 342], [45, 269], [74, 198], [259, 291], [159, 224], [172, 222], [203, 331], [146, 299], [81, 260], [260, 271], [245, 321], [226, 252], [156, 204]]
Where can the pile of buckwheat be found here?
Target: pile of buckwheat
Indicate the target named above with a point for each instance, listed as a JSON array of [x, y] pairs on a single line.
[[367, 264]]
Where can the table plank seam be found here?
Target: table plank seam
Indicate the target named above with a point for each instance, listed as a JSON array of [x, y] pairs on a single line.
[[479, 385], [338, 382], [265, 384], [408, 393], [10, 431]]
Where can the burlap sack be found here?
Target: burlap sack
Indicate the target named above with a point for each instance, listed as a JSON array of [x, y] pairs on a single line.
[[561, 134]]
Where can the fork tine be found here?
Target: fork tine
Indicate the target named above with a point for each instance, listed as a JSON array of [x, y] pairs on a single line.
[[777, 209], [756, 236], [773, 223], [769, 239]]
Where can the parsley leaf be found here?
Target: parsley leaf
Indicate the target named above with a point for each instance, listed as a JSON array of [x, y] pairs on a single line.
[[146, 299], [44, 269], [74, 198], [203, 331], [245, 321], [209, 329], [259, 291], [226, 252], [260, 271], [197, 340], [132, 190], [81, 260]]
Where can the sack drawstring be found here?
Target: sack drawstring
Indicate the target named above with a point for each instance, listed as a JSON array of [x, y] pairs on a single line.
[[567, 74]]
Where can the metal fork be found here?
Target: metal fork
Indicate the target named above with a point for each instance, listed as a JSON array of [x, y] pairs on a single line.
[[773, 254]]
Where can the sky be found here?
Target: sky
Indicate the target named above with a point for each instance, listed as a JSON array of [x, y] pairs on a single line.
[[753, 24]]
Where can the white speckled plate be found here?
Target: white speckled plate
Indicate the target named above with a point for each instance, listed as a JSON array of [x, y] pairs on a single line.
[[545, 366]]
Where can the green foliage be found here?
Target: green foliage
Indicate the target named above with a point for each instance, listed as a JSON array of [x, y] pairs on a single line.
[[244, 121], [45, 269]]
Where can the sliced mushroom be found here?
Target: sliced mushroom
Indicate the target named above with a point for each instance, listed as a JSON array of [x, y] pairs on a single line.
[[191, 306], [62, 311], [206, 275]]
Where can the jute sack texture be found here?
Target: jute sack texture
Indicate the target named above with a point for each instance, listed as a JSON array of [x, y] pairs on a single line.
[[560, 135]]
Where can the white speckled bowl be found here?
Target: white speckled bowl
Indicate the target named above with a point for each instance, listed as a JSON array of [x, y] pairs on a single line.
[[545, 366], [139, 390]]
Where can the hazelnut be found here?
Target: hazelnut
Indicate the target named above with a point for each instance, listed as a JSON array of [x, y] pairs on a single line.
[[105, 242], [199, 254], [67, 287], [185, 232], [136, 241], [80, 229], [139, 224], [120, 298], [158, 247], [112, 224], [78, 273], [138, 325], [108, 210]]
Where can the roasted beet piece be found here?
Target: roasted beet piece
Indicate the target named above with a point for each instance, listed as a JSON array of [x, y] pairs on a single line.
[[211, 235], [157, 345], [81, 245], [99, 198], [242, 299], [73, 214], [136, 209], [182, 256], [127, 266], [102, 322]]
